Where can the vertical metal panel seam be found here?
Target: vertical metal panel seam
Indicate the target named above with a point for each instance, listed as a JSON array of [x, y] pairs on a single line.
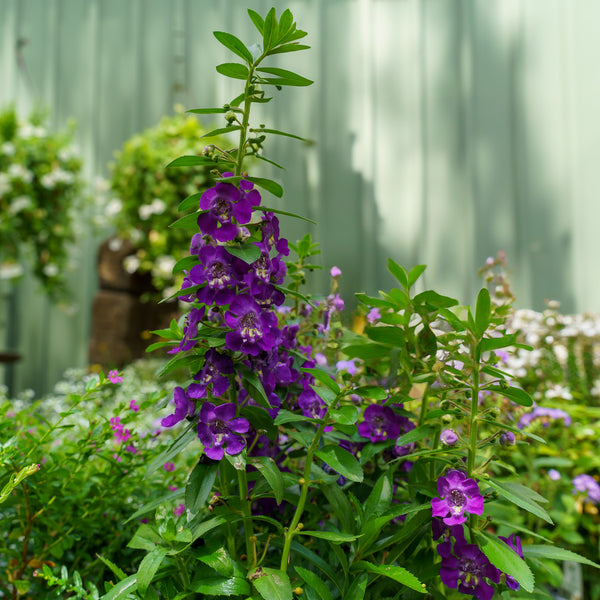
[[423, 238]]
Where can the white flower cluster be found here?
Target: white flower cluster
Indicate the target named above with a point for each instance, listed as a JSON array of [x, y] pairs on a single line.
[[156, 207], [55, 177]]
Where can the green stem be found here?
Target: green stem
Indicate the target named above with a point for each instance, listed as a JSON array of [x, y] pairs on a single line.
[[473, 424], [304, 485], [247, 517]]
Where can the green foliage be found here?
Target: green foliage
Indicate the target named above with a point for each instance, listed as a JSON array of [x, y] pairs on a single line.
[[148, 195], [40, 192]]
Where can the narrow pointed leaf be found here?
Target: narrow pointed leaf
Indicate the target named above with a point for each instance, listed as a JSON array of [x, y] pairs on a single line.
[[415, 273], [192, 161], [122, 590], [315, 582], [520, 500], [482, 311], [344, 462], [283, 212], [234, 44], [398, 574], [258, 21], [513, 393], [187, 222], [270, 471], [269, 29], [284, 133], [148, 567], [289, 77], [331, 536], [556, 553], [247, 252], [211, 111], [324, 378], [199, 486], [294, 47], [192, 201], [503, 557], [398, 272], [272, 584], [221, 131]]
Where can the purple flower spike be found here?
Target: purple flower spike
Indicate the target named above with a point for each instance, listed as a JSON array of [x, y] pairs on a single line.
[[219, 430], [459, 495], [184, 407], [380, 423], [586, 483], [214, 373], [467, 570]]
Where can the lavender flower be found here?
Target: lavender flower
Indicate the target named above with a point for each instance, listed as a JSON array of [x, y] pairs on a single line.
[[458, 495], [545, 415], [373, 315], [214, 374], [507, 438], [219, 430], [467, 569], [448, 437], [586, 483], [514, 541]]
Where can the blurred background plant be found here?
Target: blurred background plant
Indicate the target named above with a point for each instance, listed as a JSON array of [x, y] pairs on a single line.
[[146, 195], [40, 189], [90, 437]]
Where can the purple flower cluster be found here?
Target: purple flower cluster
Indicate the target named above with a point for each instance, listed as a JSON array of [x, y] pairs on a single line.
[[586, 483], [458, 495], [545, 416]]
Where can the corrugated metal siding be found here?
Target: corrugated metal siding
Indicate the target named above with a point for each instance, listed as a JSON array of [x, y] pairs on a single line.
[[446, 130]]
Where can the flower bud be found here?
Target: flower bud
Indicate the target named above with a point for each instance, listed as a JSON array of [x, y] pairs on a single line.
[[507, 438], [448, 437]]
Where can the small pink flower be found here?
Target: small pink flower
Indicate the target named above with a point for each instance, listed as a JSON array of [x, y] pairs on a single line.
[[335, 271], [133, 406], [115, 423], [122, 435], [373, 315], [114, 377], [172, 488], [131, 449], [169, 466], [10, 414], [117, 457], [179, 510]]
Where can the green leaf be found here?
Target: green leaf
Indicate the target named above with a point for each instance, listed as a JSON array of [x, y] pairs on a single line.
[[265, 159], [503, 557], [398, 574], [285, 416], [499, 342], [272, 584], [200, 528], [247, 252], [290, 77], [192, 161], [221, 586], [537, 438], [185, 263], [235, 45], [199, 486], [217, 559], [234, 70], [315, 559], [145, 538], [324, 378], [111, 565], [122, 590], [277, 132], [270, 471], [345, 415], [286, 23], [556, 553], [254, 387], [340, 505], [182, 441], [315, 582], [434, 299], [269, 31], [513, 393], [258, 21], [331, 536], [366, 350], [357, 588], [222, 130], [267, 184], [393, 336], [415, 273], [483, 311], [342, 461], [187, 222], [148, 567], [283, 212], [398, 272], [380, 498], [516, 497], [293, 47], [372, 392], [153, 504], [414, 435], [192, 201]]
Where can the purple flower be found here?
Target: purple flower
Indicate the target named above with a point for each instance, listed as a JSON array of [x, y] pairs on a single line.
[[335, 271], [379, 423], [448, 437], [220, 271], [253, 329], [514, 541], [219, 430], [545, 415], [179, 510], [467, 569], [184, 407], [586, 483], [223, 203], [190, 331], [346, 365], [213, 375], [312, 406], [458, 495], [553, 474], [373, 315]]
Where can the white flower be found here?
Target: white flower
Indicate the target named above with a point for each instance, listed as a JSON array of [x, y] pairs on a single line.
[[5, 186], [18, 204], [48, 181], [115, 244], [145, 211], [113, 207], [50, 270], [8, 149], [17, 171], [158, 206], [10, 270], [135, 235], [131, 263], [163, 267]]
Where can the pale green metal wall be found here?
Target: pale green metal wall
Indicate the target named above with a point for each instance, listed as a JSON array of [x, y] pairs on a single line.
[[446, 130]]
